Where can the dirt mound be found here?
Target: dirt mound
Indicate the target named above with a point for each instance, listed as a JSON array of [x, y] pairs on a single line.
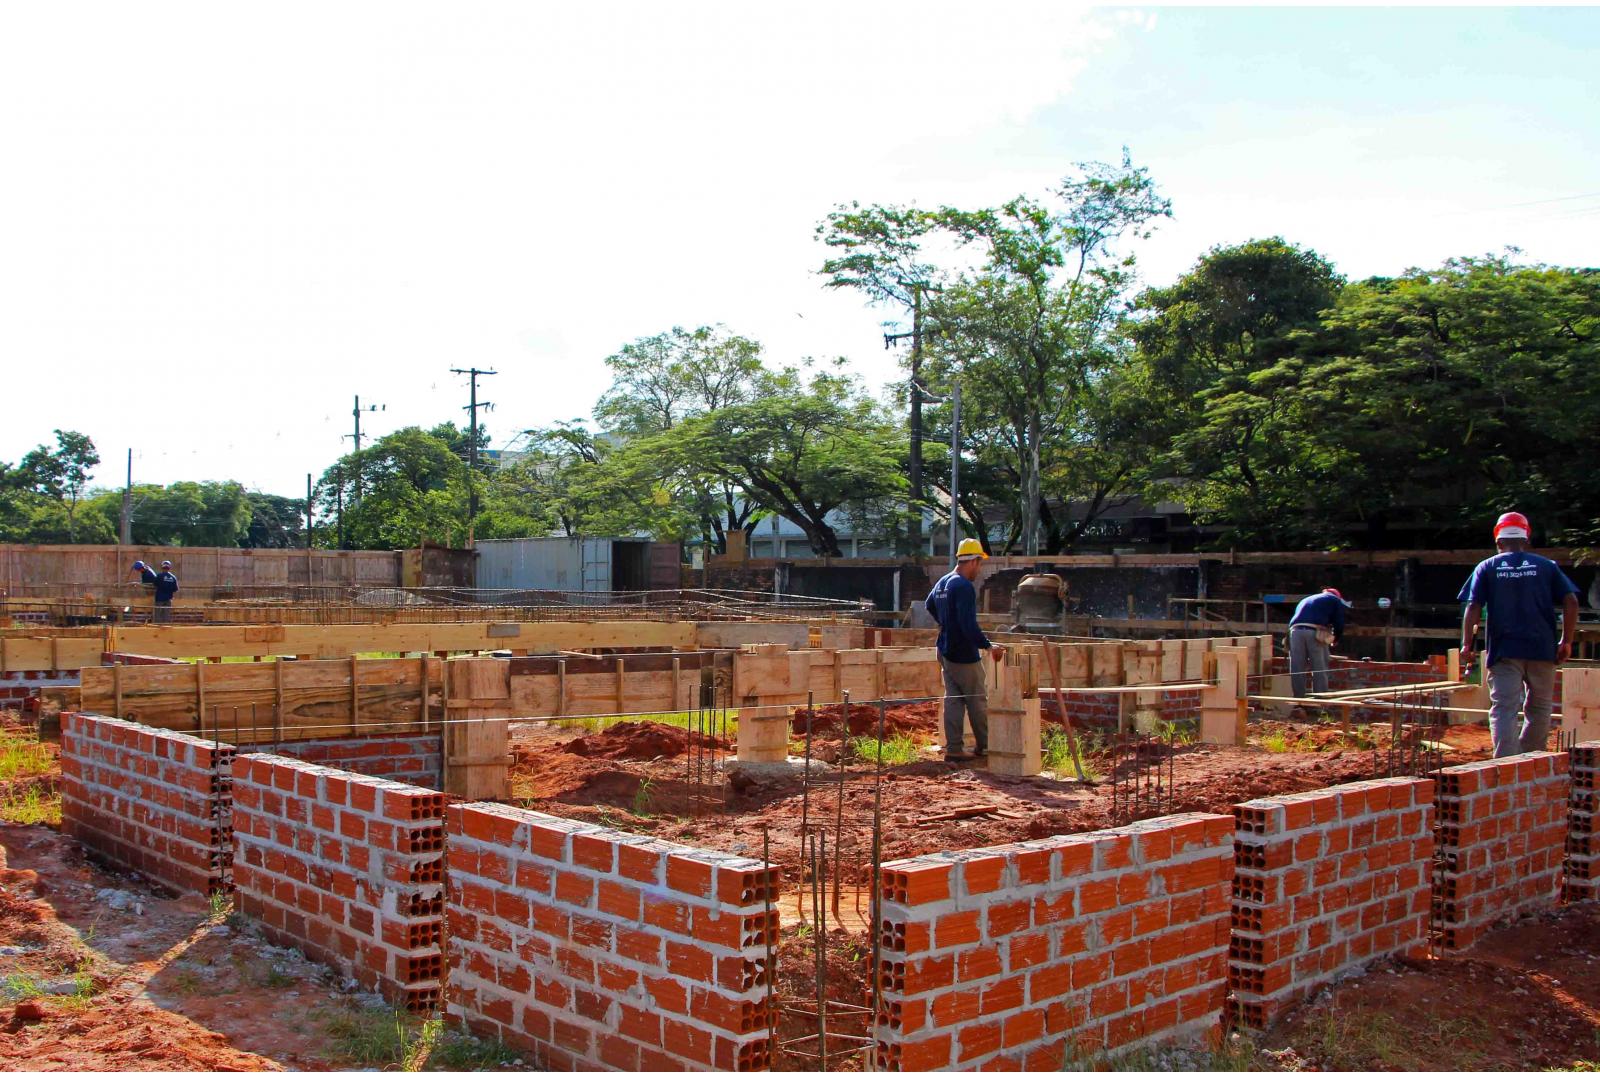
[[629, 741], [921, 718]]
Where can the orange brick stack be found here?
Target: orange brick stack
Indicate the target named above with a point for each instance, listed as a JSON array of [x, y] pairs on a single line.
[[1000, 957], [593, 948], [1582, 870], [1324, 882], [157, 802], [1501, 828], [347, 868]]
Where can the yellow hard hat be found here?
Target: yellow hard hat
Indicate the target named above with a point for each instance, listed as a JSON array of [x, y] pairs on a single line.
[[969, 547]]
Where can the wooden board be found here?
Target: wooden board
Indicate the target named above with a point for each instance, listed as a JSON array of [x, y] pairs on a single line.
[[269, 701], [477, 738]]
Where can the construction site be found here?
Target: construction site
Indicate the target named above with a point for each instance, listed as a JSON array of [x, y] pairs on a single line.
[[714, 828]]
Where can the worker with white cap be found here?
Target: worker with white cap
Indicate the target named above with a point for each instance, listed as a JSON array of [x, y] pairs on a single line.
[[953, 603], [1521, 591], [1315, 628]]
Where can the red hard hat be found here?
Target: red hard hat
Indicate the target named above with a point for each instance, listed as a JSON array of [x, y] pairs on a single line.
[[1512, 526], [1336, 592]]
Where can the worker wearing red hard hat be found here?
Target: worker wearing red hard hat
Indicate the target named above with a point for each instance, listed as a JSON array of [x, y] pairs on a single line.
[[1315, 627], [1520, 591]]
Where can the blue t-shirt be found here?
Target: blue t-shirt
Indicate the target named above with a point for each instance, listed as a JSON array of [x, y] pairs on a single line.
[[1520, 591], [953, 603], [1321, 609]]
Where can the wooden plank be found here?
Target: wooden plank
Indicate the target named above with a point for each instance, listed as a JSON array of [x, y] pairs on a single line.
[[477, 741]]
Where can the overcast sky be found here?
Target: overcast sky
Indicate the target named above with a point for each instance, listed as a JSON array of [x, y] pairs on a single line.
[[219, 222]]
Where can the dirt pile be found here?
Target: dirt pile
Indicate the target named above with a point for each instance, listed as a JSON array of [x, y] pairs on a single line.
[[629, 741], [923, 718]]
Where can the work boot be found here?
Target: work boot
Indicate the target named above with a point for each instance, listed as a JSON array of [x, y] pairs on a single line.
[[958, 757]]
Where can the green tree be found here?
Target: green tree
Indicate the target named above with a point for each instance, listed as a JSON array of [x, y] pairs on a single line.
[[413, 486], [1028, 325], [802, 447], [1222, 351]]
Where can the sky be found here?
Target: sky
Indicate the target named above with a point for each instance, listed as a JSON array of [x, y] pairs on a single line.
[[220, 223]]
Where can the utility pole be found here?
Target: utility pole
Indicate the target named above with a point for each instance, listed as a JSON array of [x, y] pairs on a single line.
[[472, 442], [308, 529], [356, 412], [914, 537], [338, 495], [125, 533], [955, 468]]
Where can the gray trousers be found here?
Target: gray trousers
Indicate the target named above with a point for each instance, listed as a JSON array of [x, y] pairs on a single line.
[[161, 612], [1511, 683], [965, 694], [1307, 654]]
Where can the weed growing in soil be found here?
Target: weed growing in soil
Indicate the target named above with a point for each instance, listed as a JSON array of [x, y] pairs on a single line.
[[382, 1038], [221, 905], [1056, 754], [1275, 742], [21, 754], [31, 806], [19, 987], [896, 749], [641, 798], [457, 1050]]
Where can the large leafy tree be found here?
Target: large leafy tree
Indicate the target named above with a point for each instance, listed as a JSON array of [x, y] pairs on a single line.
[[807, 445], [658, 383], [1027, 322], [412, 486], [1222, 351], [1460, 391]]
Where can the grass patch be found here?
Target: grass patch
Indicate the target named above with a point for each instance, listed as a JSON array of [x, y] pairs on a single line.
[[896, 749], [22, 755], [20, 987], [1055, 751], [32, 805], [383, 1038], [642, 798], [458, 1050], [1365, 1041], [1275, 742]]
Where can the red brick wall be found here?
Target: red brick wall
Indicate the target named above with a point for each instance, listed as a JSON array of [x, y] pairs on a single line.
[[1324, 882], [157, 802], [347, 868], [1100, 710], [1582, 867], [17, 687], [1501, 834], [593, 948], [409, 759], [1000, 957]]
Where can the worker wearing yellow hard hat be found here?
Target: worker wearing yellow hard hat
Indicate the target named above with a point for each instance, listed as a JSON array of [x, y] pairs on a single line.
[[953, 603]]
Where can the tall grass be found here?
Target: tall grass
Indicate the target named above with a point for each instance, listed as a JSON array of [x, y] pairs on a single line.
[[23, 755], [896, 749]]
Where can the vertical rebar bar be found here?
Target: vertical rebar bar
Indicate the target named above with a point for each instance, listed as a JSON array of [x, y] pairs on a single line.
[[819, 899], [838, 827], [770, 975], [876, 882]]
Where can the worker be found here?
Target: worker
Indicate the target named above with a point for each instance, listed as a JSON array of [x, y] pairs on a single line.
[[1520, 590], [147, 574], [166, 589], [1316, 626], [953, 603]]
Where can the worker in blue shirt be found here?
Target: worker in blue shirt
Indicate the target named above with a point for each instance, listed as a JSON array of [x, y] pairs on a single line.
[[166, 589], [1315, 628], [953, 603], [1521, 591], [147, 574]]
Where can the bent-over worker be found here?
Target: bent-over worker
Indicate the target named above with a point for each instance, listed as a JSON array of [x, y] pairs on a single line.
[[1520, 591], [953, 603], [166, 589], [147, 574], [1314, 629]]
